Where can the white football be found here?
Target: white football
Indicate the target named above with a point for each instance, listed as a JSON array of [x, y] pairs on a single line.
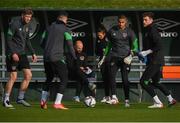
[[114, 101], [90, 101]]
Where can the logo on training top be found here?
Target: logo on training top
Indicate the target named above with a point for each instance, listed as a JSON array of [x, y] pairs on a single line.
[[82, 58], [165, 24], [124, 35], [113, 34], [74, 24]]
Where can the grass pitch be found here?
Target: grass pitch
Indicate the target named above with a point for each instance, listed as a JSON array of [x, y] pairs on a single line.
[[78, 112], [91, 4]]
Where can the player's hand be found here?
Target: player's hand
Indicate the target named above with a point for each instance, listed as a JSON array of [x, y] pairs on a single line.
[[34, 58], [15, 57], [88, 71], [142, 58], [145, 53], [101, 61], [82, 69], [128, 59]]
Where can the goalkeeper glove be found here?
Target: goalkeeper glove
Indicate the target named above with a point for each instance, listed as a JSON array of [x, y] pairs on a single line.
[[101, 61], [128, 59], [146, 52], [142, 58], [88, 71]]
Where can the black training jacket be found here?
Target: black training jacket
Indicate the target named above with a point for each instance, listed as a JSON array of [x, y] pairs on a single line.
[[121, 41], [18, 37], [152, 40], [55, 40]]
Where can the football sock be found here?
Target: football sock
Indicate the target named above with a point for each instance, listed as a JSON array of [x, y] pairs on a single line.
[[126, 101], [170, 99], [114, 96], [58, 98], [6, 97], [44, 96], [156, 100], [21, 95]]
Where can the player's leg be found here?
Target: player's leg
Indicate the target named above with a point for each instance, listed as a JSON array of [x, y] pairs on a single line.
[[124, 74], [89, 89], [8, 89], [48, 83], [105, 77], [79, 84], [24, 85], [166, 92], [25, 67], [12, 70], [149, 72], [112, 77], [79, 87], [62, 72]]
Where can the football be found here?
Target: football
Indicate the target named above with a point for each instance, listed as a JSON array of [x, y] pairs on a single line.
[[90, 101]]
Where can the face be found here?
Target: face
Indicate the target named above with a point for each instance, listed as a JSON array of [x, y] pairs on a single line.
[[122, 23], [27, 18], [79, 47], [147, 21], [101, 35], [64, 19]]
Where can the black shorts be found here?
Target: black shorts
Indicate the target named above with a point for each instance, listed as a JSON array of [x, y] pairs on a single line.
[[13, 66], [55, 68]]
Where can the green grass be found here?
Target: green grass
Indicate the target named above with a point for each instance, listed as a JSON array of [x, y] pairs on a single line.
[[91, 4], [102, 112]]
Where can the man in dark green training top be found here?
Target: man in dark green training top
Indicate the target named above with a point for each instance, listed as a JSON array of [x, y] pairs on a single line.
[[123, 44], [153, 50], [56, 38], [18, 41]]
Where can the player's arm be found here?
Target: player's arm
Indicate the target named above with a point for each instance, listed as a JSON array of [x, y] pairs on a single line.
[[107, 49], [133, 46], [10, 44], [29, 45], [134, 43], [43, 39], [11, 31], [156, 38], [105, 53], [69, 41], [85, 61], [30, 48], [97, 49]]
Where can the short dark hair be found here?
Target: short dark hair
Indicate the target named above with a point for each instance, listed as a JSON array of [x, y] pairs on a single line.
[[148, 14], [122, 17], [27, 11], [62, 13], [102, 29]]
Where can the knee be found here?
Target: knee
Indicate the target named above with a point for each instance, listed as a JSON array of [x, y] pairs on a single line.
[[13, 77], [28, 76]]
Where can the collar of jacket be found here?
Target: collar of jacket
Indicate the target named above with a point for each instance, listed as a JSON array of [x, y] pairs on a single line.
[[150, 26], [59, 22]]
